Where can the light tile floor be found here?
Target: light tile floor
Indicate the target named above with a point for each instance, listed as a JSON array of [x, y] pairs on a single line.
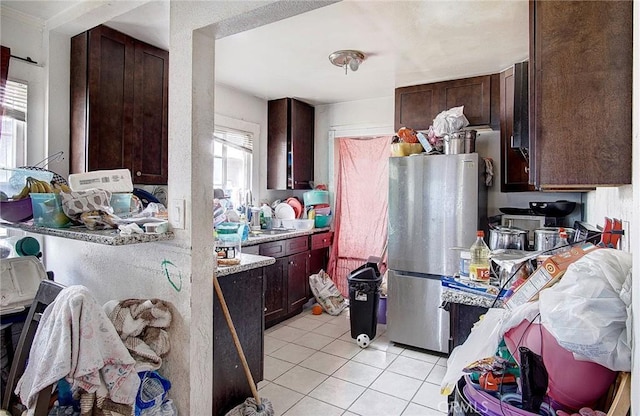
[[312, 366]]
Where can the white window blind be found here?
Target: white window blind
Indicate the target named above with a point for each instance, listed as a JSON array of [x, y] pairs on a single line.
[[239, 139], [14, 102]]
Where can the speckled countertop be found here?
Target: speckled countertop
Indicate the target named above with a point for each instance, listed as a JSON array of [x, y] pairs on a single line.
[[247, 262], [264, 236], [111, 237], [466, 298]]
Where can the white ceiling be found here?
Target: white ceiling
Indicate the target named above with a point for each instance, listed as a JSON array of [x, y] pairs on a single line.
[[406, 43]]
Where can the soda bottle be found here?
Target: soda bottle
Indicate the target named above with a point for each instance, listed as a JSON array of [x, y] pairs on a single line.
[[479, 265]]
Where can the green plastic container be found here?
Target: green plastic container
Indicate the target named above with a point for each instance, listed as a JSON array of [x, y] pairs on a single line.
[[47, 211], [323, 220]]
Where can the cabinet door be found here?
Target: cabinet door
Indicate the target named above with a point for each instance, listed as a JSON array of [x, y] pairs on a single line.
[[580, 93], [475, 94], [298, 282], [275, 295], [150, 114], [317, 261], [277, 145], [514, 167], [110, 100], [302, 126], [416, 106], [243, 295]]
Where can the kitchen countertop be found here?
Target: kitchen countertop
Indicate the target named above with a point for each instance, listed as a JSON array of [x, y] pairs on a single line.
[[266, 237], [466, 298], [111, 237], [247, 262]]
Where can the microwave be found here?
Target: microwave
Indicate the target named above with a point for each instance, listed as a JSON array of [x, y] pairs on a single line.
[[530, 223]]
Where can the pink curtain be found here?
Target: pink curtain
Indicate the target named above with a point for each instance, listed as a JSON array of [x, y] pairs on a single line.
[[361, 205]]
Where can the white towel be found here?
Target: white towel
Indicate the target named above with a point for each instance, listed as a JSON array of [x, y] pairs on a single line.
[[76, 340]]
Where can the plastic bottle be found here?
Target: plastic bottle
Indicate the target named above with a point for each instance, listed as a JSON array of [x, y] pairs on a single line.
[[479, 264], [563, 244], [266, 214]]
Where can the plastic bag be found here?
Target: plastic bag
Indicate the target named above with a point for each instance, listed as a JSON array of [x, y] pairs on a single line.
[[481, 343], [588, 311], [450, 121], [326, 293]]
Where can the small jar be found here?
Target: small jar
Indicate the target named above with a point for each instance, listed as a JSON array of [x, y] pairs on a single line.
[[465, 261], [228, 242]]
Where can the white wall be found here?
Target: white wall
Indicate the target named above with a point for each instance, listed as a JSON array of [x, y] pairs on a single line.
[[246, 112], [23, 34]]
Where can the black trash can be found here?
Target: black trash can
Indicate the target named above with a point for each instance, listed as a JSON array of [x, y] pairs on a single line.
[[364, 296]]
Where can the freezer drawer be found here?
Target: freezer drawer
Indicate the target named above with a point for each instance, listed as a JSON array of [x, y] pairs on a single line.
[[413, 314]]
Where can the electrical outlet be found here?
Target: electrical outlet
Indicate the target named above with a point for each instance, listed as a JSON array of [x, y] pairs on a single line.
[[625, 239], [177, 213]]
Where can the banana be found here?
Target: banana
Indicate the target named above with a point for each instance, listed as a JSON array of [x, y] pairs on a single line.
[[33, 185], [22, 194], [60, 187], [46, 186]]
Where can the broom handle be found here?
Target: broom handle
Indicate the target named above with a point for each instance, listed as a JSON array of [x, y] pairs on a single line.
[[236, 341]]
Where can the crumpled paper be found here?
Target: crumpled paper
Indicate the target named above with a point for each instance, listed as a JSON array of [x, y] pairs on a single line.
[[129, 229], [450, 121]]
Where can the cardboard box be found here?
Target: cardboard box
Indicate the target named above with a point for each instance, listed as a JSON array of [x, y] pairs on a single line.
[[547, 275], [115, 180]]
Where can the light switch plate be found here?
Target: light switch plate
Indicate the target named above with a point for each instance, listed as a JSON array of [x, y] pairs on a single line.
[[177, 215]]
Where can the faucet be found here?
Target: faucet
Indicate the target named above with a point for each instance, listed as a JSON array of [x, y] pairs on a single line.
[[248, 198]]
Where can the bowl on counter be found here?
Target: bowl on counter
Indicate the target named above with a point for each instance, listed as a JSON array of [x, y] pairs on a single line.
[[298, 224], [323, 220], [16, 210]]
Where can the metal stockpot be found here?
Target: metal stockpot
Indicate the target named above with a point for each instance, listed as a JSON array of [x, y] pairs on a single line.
[[507, 238], [453, 143], [548, 237], [463, 141]]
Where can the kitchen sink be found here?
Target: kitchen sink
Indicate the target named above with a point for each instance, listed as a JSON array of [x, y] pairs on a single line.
[[268, 232]]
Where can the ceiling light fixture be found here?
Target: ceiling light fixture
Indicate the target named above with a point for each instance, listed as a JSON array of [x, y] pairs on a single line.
[[348, 59]]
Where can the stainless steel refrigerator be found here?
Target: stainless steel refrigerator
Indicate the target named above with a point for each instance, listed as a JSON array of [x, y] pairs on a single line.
[[436, 204]]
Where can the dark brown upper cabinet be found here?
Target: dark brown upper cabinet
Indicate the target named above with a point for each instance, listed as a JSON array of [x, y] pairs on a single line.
[[119, 101], [580, 81], [514, 129], [290, 144], [416, 106]]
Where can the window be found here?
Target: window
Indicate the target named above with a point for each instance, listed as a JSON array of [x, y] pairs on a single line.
[[232, 162], [13, 141]]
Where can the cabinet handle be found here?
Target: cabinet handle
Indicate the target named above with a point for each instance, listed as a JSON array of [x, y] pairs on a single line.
[[512, 141], [526, 170], [291, 263], [265, 309], [138, 173]]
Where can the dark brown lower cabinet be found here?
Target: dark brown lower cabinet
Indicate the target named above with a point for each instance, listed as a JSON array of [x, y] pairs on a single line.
[[298, 284], [461, 319], [287, 281], [275, 295], [243, 294]]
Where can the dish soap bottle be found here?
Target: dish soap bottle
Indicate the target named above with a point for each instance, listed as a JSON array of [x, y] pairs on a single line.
[[479, 264]]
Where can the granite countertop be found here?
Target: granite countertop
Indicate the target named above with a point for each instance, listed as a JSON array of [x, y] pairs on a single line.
[[247, 262], [111, 237], [266, 236], [466, 298]]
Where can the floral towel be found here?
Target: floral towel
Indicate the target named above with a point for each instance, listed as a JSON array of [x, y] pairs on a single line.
[[77, 341]]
